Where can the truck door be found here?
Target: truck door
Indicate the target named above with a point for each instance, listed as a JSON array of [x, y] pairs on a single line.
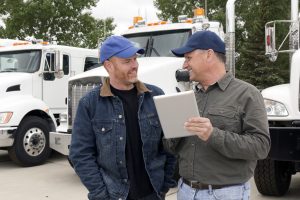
[[55, 90]]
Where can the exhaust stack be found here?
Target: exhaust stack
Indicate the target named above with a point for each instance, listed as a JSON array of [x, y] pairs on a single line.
[[230, 36]]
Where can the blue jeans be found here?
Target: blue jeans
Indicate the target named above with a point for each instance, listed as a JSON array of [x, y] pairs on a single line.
[[238, 192]]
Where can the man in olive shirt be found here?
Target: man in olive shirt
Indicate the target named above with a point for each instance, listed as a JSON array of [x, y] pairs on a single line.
[[218, 160]]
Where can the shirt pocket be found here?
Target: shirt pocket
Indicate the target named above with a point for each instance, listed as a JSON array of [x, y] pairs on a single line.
[[104, 132], [225, 118]]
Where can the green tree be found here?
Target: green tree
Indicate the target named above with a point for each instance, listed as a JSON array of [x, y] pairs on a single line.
[[67, 21], [170, 10], [253, 66]]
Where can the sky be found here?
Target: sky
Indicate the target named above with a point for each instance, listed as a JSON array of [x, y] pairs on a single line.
[[123, 12]]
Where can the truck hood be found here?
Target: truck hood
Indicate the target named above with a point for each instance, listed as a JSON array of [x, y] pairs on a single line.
[[283, 94], [12, 83], [146, 64], [158, 71]]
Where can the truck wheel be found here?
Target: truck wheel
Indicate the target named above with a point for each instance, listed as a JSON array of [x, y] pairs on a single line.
[[31, 145], [272, 177]]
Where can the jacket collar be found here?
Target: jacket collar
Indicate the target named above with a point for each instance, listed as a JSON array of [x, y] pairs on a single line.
[[105, 89]]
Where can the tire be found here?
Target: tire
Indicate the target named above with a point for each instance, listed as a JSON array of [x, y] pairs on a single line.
[[31, 144], [272, 177]]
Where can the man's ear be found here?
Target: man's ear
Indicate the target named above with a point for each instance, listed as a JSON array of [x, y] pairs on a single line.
[[210, 55], [107, 65]]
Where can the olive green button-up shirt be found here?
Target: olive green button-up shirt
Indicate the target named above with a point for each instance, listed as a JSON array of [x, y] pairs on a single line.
[[240, 135]]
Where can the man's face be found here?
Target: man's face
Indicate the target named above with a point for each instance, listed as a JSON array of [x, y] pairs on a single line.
[[195, 63], [123, 71]]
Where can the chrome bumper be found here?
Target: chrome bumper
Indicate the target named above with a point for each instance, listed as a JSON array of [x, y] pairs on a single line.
[[6, 136], [60, 142]]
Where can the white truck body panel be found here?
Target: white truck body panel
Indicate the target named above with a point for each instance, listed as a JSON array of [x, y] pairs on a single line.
[[287, 94]]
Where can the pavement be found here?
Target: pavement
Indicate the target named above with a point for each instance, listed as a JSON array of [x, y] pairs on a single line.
[[56, 180]]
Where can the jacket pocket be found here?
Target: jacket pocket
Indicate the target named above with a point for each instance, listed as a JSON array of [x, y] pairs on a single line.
[[104, 132]]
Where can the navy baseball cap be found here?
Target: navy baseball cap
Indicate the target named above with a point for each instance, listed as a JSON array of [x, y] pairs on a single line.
[[201, 40], [118, 46]]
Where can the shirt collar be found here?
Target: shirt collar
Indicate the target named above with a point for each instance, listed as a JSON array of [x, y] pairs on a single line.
[[105, 90], [225, 80], [222, 83]]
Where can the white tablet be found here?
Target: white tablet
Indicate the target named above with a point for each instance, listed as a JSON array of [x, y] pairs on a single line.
[[174, 110]]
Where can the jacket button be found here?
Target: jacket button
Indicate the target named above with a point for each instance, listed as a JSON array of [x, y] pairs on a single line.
[[120, 116], [121, 138], [103, 129]]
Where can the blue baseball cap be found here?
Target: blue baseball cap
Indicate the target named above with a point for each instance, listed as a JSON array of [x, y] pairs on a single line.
[[201, 40], [118, 46]]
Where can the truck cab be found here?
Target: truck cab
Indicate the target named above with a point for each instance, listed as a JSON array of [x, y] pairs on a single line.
[[33, 94]]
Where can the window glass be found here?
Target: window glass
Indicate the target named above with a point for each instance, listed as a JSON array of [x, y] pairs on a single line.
[[159, 43], [66, 64], [50, 62], [20, 61], [91, 63]]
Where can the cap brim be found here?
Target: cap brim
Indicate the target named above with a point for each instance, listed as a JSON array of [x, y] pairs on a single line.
[[129, 52], [181, 51]]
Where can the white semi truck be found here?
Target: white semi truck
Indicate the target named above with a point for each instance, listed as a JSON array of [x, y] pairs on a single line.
[[158, 66], [33, 94], [273, 175]]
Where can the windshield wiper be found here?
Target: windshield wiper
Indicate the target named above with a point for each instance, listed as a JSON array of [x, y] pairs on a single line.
[[147, 47]]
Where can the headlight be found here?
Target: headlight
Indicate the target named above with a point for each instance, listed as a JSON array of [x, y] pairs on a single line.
[[5, 117], [275, 108]]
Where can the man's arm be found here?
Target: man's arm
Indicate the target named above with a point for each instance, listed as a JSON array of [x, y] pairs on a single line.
[[83, 152], [252, 143]]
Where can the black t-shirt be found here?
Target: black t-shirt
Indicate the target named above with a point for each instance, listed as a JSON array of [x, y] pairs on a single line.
[[140, 185]]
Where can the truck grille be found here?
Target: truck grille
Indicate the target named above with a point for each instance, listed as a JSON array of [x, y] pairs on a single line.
[[76, 90]]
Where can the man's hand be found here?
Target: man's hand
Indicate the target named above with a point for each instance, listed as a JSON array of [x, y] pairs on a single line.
[[200, 126]]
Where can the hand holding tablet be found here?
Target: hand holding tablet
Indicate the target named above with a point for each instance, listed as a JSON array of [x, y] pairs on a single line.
[[174, 110]]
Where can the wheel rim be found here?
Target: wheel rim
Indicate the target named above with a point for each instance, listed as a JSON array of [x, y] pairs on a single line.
[[34, 141]]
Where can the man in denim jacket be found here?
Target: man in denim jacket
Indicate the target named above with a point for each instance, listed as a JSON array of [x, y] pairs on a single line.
[[116, 146]]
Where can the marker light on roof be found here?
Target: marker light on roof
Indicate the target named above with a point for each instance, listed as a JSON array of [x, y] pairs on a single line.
[[136, 19], [199, 12]]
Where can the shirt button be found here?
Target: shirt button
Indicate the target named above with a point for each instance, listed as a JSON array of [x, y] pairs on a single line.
[[193, 144], [121, 138], [103, 129], [120, 116]]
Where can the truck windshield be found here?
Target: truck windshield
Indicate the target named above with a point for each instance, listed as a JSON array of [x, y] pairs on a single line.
[[160, 43], [20, 61]]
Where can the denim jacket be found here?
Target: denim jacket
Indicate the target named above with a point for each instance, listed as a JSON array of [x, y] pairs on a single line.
[[98, 143]]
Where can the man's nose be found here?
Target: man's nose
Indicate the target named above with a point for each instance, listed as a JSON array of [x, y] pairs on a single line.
[[134, 64], [185, 64]]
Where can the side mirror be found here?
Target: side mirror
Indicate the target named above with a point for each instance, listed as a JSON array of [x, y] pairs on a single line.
[[270, 44], [58, 72], [182, 75]]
